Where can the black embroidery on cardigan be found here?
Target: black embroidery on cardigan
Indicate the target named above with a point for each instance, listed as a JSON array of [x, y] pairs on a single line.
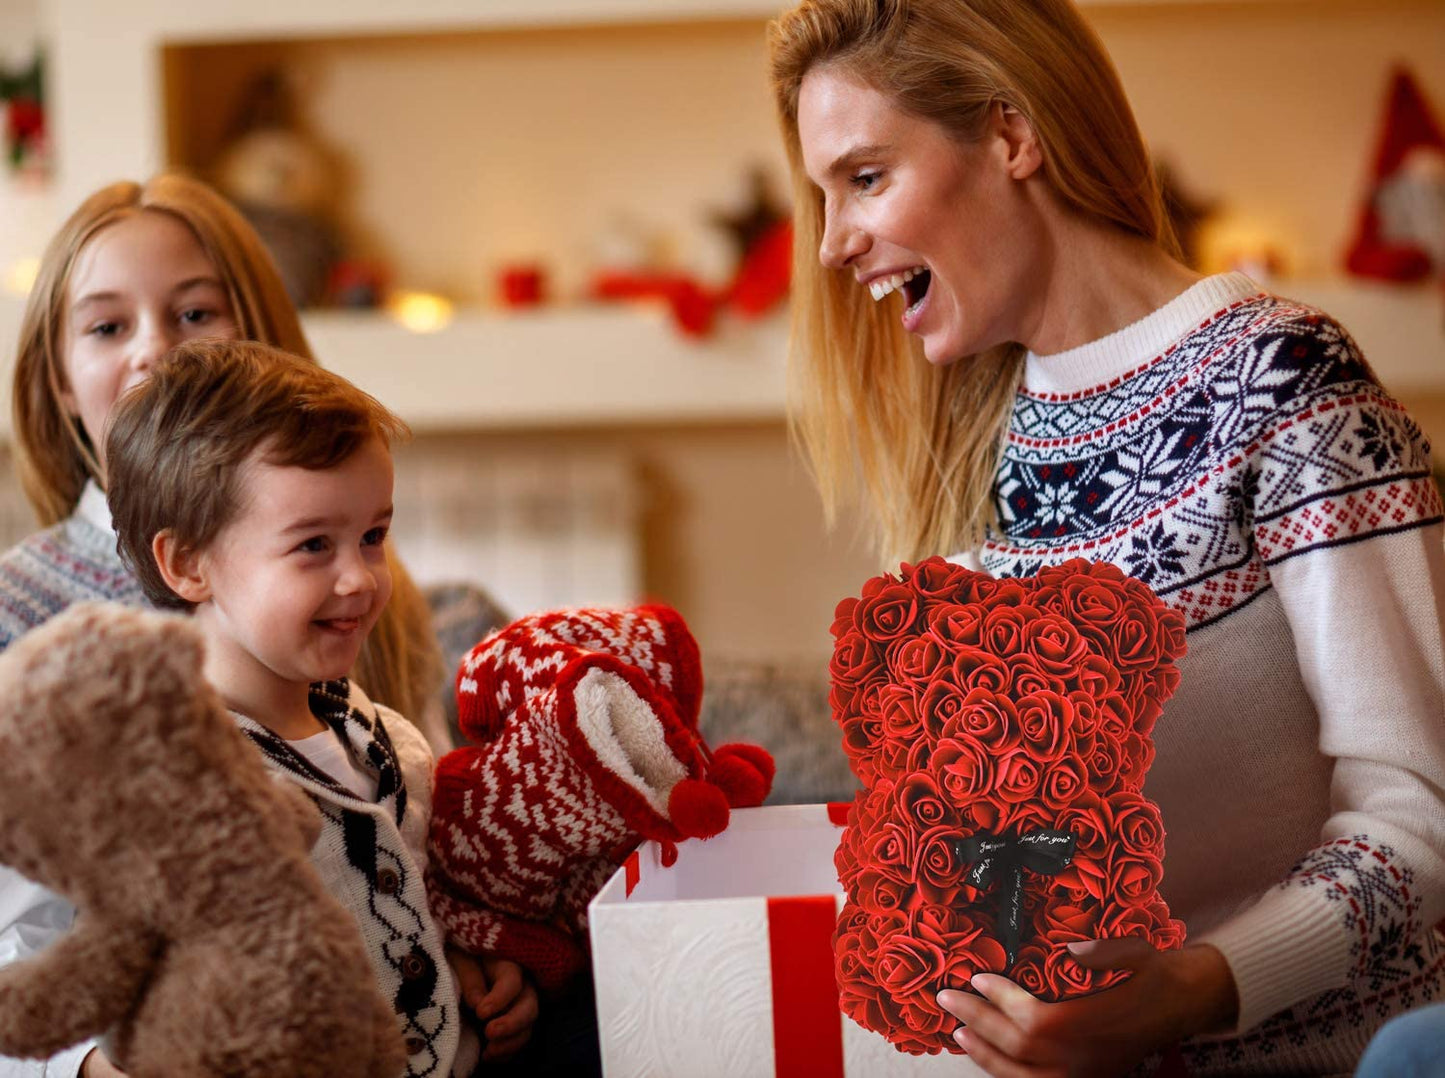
[[358, 830], [399, 922], [333, 703], [402, 924], [285, 757]]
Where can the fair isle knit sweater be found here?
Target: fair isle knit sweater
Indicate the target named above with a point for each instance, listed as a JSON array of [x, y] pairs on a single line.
[[1233, 451], [74, 561]]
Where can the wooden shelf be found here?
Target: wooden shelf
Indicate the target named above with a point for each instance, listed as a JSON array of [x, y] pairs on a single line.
[[612, 365], [582, 366], [220, 20], [223, 20], [562, 367]]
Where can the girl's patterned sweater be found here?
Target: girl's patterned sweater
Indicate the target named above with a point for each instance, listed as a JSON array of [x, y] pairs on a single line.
[[1234, 451], [72, 562]]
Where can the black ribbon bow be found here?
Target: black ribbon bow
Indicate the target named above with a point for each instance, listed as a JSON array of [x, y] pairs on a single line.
[[997, 857]]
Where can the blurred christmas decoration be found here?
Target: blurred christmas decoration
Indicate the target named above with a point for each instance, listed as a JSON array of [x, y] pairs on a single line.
[[1187, 213], [284, 180], [763, 240], [757, 219], [693, 307], [521, 284], [19, 278], [1400, 235], [358, 282], [630, 266], [764, 233], [22, 102]]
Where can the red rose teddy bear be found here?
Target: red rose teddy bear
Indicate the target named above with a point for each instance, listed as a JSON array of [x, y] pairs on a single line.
[[1001, 729]]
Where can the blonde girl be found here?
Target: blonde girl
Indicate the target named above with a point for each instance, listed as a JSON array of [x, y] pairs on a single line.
[[56, 455], [136, 270], [994, 342]]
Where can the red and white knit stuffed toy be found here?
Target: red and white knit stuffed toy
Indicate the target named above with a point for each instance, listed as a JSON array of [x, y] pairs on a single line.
[[585, 742]]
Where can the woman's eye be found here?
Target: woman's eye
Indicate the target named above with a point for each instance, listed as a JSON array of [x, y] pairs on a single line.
[[197, 316], [104, 329], [375, 537], [864, 181], [314, 545]]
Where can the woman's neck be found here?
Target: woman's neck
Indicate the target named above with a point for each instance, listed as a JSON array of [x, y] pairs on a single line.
[[1099, 280]]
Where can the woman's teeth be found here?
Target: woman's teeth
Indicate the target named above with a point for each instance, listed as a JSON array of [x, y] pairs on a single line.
[[884, 286]]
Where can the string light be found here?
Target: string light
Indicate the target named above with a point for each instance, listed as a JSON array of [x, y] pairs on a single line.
[[421, 312]]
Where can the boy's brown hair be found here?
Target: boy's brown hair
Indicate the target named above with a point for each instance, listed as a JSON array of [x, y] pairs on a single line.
[[177, 442]]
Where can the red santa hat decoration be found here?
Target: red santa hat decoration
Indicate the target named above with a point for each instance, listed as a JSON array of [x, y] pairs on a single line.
[[1400, 235]]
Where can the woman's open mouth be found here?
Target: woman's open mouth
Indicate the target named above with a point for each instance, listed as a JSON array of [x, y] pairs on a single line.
[[912, 284], [915, 291]]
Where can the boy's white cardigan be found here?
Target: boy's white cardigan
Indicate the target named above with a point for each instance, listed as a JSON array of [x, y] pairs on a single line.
[[372, 857]]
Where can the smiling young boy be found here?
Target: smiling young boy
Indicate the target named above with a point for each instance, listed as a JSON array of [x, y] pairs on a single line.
[[254, 489]]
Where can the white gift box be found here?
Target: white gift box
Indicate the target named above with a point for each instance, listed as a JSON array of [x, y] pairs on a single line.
[[722, 964]]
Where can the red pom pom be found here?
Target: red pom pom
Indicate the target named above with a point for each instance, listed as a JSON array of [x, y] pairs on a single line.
[[756, 755], [744, 773], [698, 810]]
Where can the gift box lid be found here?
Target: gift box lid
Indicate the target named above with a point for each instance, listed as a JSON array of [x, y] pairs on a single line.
[[765, 852]]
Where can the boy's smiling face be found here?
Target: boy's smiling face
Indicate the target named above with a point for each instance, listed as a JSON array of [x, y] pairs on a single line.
[[298, 578]]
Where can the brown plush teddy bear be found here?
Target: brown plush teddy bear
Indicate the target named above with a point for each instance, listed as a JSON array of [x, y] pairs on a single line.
[[204, 942]]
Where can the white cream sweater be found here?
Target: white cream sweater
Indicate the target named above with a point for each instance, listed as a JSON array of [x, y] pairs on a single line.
[[1234, 451]]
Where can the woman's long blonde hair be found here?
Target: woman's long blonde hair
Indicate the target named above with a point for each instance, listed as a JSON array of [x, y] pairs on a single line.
[[922, 442], [401, 664]]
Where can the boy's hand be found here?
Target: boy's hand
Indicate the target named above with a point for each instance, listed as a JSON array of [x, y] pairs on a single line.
[[500, 996], [509, 1009]]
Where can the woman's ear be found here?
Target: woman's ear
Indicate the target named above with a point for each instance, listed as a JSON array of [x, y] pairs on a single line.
[[1024, 157], [180, 567]]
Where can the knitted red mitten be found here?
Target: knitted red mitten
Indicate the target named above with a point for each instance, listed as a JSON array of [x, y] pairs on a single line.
[[528, 656], [589, 744]]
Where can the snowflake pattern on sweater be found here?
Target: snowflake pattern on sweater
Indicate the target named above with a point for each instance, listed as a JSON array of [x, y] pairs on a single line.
[[1258, 437], [1398, 963]]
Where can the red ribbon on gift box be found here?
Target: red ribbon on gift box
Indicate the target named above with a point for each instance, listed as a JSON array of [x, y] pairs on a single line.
[[807, 1021]]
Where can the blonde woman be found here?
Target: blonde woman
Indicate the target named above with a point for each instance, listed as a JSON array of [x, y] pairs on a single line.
[[995, 343]]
